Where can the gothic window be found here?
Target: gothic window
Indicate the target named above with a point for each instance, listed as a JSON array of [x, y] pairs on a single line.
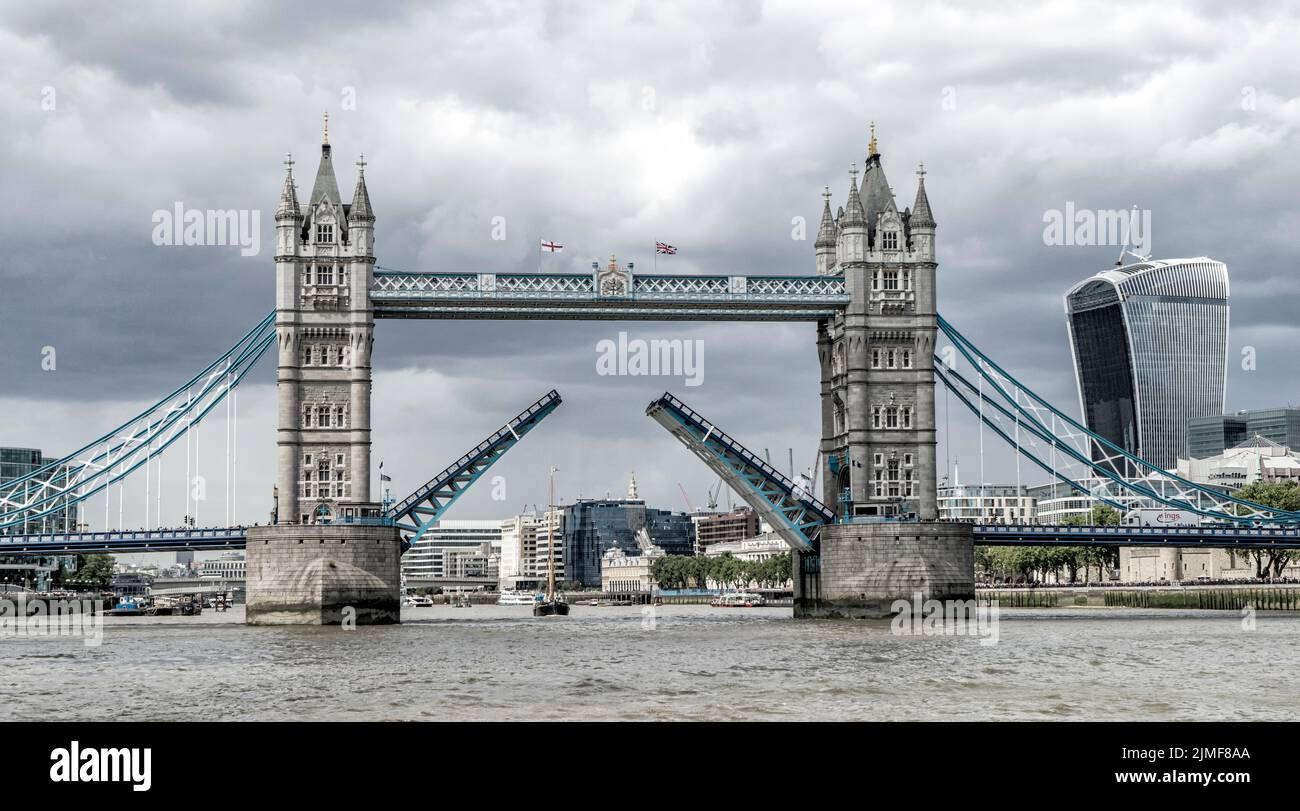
[[878, 460], [837, 413], [893, 479], [879, 484], [323, 469], [875, 416], [907, 278], [323, 417], [889, 359], [306, 275], [325, 233], [907, 358], [907, 484], [907, 460], [306, 422], [891, 241], [307, 461], [875, 280], [890, 279], [891, 417], [306, 355], [343, 275], [907, 416], [338, 416], [338, 460], [324, 274]]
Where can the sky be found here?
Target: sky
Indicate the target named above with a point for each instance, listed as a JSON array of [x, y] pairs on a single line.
[[605, 127]]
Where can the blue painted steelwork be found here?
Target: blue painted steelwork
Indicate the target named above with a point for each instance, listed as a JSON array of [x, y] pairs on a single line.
[[117, 454], [158, 540], [1123, 474], [788, 508], [656, 297], [1205, 536], [419, 511]]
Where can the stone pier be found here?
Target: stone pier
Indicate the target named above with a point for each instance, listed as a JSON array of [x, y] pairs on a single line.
[[864, 567], [323, 574]]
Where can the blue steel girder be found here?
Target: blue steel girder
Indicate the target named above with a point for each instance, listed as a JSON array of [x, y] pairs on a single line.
[[1210, 536], [418, 512], [796, 515], [648, 297], [155, 540]]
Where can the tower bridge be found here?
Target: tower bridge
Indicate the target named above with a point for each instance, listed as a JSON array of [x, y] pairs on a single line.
[[873, 300]]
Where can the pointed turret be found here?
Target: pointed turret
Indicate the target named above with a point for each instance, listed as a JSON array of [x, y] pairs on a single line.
[[853, 215], [360, 209], [288, 193], [825, 245], [852, 237], [921, 216], [877, 197]]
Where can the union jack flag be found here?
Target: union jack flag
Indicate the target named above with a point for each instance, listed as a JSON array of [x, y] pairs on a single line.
[[664, 247], [548, 245]]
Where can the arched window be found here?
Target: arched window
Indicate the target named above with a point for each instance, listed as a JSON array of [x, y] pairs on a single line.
[[890, 242]]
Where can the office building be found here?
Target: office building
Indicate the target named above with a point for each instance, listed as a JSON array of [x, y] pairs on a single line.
[[1211, 436], [594, 526], [986, 504], [18, 462], [1149, 343], [712, 528], [1256, 459], [454, 554]]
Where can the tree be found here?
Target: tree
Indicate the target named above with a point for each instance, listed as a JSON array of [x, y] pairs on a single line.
[[95, 570], [1283, 495]]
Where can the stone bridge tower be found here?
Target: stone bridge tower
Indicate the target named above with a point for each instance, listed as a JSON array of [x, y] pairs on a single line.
[[878, 430], [324, 261], [329, 558]]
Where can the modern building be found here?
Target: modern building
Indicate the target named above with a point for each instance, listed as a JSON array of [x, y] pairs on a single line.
[[1149, 342], [1211, 436], [227, 566], [594, 526], [18, 462], [454, 554], [1056, 501], [986, 504], [1256, 459], [713, 528], [757, 548]]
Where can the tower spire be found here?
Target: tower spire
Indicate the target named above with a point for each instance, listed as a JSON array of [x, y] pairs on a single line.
[[921, 215], [853, 213], [325, 135], [289, 193], [871, 147]]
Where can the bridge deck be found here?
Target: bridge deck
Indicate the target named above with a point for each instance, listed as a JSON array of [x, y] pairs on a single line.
[[1209, 536], [795, 515], [575, 296]]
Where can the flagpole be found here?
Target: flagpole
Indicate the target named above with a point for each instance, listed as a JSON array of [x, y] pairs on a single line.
[[656, 257], [539, 253]]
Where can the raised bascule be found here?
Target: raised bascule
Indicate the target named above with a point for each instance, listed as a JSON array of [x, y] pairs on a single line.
[[332, 554]]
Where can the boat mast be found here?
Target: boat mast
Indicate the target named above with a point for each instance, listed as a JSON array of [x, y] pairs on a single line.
[[550, 543]]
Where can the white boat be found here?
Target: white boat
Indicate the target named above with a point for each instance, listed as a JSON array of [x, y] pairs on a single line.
[[739, 599], [511, 597]]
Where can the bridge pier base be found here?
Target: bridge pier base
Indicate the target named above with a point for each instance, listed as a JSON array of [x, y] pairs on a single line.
[[863, 568], [323, 574]]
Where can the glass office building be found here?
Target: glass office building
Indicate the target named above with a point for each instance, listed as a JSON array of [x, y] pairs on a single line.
[[592, 527], [18, 462], [1211, 436], [1150, 344]]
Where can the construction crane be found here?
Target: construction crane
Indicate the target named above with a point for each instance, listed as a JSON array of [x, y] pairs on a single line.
[[689, 506], [714, 492]]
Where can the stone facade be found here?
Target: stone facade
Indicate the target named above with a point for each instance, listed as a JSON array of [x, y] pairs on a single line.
[[865, 567], [324, 262], [304, 574], [877, 372]]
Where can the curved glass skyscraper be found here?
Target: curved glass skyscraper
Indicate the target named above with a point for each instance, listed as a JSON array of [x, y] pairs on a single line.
[[1150, 344]]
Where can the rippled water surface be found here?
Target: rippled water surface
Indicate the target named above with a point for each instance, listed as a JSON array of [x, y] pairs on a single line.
[[491, 662]]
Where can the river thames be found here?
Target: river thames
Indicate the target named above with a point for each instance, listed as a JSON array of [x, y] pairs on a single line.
[[695, 663]]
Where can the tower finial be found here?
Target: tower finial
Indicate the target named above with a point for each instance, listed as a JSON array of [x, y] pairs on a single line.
[[826, 195], [853, 172], [920, 171], [361, 165], [871, 147], [288, 163], [325, 137]]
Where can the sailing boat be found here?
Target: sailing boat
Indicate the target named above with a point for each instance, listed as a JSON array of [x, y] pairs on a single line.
[[552, 605]]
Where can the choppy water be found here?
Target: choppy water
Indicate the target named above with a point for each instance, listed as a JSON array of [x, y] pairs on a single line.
[[493, 662]]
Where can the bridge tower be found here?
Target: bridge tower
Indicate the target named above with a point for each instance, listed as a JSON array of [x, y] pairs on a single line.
[[325, 326], [328, 558], [878, 420]]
